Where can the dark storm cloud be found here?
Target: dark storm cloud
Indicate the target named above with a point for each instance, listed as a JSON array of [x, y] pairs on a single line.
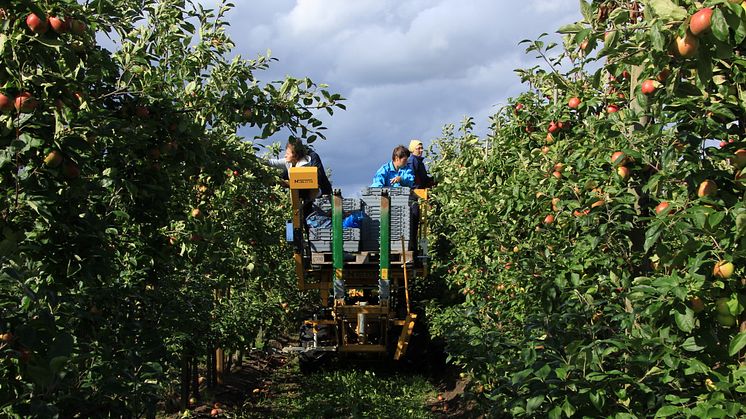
[[406, 67]]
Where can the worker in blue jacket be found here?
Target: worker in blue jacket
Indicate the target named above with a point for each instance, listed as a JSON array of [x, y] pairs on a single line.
[[396, 172]]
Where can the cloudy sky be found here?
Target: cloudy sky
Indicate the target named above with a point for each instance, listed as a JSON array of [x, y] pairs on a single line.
[[406, 67]]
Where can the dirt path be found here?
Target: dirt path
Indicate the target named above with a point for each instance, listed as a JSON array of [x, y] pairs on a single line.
[[270, 384]]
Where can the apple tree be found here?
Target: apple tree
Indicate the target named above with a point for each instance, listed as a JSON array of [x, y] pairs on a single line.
[[596, 234], [139, 231]]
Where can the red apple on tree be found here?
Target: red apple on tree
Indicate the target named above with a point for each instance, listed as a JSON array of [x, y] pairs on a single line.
[[6, 103], [77, 27], [697, 304], [707, 188], [574, 102], [662, 207], [619, 158], [549, 219], [623, 172], [607, 36], [53, 159], [612, 108], [687, 46], [24, 102], [701, 21], [58, 24], [648, 87], [740, 178], [739, 159], [36, 24], [723, 269]]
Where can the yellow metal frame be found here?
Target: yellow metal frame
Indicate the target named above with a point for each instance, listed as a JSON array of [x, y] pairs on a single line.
[[307, 178]]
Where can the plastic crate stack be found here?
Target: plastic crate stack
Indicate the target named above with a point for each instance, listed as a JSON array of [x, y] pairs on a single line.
[[321, 238], [400, 218], [324, 203]]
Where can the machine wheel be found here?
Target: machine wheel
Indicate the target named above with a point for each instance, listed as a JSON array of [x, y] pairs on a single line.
[[313, 360]]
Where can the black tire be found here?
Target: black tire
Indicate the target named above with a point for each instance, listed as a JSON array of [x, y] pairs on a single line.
[[313, 360]]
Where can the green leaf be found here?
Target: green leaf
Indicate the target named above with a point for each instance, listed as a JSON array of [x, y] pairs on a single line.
[[30, 141], [571, 28], [700, 216], [598, 398], [715, 412], [657, 38], [696, 367], [704, 67], [737, 343], [543, 372], [619, 15], [652, 235], [719, 25], [55, 43], [666, 411], [740, 224], [586, 10], [667, 10], [665, 283], [741, 26], [685, 320], [568, 408], [610, 39], [533, 403], [715, 218]]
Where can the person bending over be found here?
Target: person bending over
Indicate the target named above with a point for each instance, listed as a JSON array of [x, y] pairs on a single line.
[[299, 155]]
